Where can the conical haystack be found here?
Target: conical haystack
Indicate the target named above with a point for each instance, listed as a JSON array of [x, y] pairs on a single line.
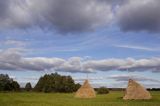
[[136, 91], [85, 91]]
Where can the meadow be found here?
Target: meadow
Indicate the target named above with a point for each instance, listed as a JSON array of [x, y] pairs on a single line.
[[62, 99]]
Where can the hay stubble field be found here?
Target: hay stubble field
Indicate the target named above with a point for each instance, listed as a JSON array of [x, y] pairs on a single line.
[[66, 99]]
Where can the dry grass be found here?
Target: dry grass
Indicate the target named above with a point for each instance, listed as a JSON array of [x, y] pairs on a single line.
[[85, 91], [136, 91]]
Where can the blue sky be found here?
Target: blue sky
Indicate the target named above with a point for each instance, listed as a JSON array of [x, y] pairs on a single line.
[[111, 40]]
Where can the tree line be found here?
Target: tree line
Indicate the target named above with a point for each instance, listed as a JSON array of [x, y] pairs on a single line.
[[47, 83]]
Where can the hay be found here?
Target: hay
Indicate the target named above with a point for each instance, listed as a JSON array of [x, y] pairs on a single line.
[[85, 91], [136, 91]]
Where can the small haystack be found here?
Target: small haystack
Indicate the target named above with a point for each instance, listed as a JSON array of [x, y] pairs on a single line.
[[85, 91], [136, 91]]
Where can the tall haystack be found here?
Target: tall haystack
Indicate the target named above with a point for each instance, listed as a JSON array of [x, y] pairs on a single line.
[[136, 91], [85, 91]]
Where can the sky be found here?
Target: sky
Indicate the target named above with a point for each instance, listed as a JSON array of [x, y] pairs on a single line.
[[110, 41]]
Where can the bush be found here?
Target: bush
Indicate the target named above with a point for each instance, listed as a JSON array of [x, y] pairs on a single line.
[[102, 90]]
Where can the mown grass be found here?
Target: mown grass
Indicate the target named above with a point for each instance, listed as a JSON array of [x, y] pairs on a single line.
[[59, 99]]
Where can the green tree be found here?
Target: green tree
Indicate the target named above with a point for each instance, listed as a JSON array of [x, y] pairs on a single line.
[[4, 82], [15, 86], [7, 84], [28, 86], [102, 90]]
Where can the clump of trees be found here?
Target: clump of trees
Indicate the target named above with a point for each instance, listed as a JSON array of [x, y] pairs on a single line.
[[102, 90], [8, 84], [56, 83], [28, 86]]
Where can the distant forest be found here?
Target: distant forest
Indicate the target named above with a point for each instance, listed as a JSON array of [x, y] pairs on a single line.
[[53, 82]]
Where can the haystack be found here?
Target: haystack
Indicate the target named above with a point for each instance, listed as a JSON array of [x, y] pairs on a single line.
[[136, 91], [85, 91]]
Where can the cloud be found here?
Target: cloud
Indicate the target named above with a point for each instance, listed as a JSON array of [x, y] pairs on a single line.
[[153, 85], [3, 5], [13, 77], [13, 43], [139, 15], [32, 78], [137, 47], [131, 64], [81, 79], [122, 80], [126, 77], [80, 16], [15, 14], [74, 16], [14, 59]]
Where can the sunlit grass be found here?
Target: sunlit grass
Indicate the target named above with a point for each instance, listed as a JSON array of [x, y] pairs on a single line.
[[59, 99]]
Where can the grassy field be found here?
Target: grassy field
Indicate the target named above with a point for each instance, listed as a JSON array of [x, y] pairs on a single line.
[[57, 99]]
